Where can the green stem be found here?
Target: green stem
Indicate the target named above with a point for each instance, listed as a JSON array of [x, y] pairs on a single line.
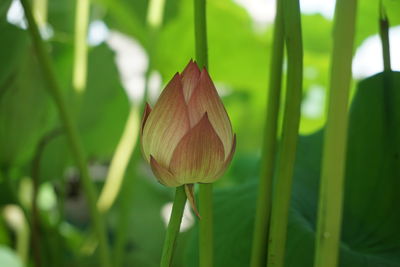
[[35, 214], [40, 11], [71, 132], [173, 227], [120, 161], [80, 45], [291, 121], [125, 203], [334, 150], [206, 225], [206, 244], [200, 31], [269, 145], [384, 34]]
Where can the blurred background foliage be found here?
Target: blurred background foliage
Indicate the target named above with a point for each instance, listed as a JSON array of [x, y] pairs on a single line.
[[127, 54]]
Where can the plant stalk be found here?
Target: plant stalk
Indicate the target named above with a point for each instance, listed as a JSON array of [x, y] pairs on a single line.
[[206, 241], [40, 11], [334, 149], [173, 227], [260, 234], [71, 134], [80, 45], [200, 26], [291, 121], [384, 35]]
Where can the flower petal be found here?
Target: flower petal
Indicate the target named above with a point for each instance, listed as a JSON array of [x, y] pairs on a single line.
[[163, 175], [199, 155], [227, 161], [205, 99], [146, 114], [190, 78], [167, 123], [189, 190]]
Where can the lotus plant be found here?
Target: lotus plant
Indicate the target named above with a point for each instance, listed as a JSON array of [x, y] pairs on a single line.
[[187, 137]]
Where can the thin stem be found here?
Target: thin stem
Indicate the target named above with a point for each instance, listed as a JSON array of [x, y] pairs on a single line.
[[120, 161], [200, 26], [80, 45], [125, 203], [40, 11], [206, 225], [71, 133], [173, 227], [269, 145], [35, 215], [206, 244], [291, 121], [384, 34], [334, 150]]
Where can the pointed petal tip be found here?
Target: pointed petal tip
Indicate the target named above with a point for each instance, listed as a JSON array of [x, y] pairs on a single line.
[[163, 175], [191, 67], [146, 113], [167, 123], [190, 79], [199, 155], [205, 122]]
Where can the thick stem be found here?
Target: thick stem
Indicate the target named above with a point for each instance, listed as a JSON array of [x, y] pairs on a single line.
[[80, 45], [291, 121], [71, 133], [263, 210], [334, 150], [40, 11], [173, 227], [200, 26], [206, 243]]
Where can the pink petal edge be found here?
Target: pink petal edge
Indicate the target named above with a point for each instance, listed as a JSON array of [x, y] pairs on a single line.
[[199, 155], [163, 175], [205, 98], [167, 123]]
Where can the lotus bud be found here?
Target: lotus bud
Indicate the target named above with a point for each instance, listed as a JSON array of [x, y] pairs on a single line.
[[187, 137]]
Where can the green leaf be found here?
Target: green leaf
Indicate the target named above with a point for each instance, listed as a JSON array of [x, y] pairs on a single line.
[[15, 38], [4, 6], [24, 104], [370, 235], [100, 113], [105, 105]]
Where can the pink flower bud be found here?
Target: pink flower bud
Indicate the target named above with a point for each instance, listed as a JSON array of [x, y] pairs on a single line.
[[187, 137]]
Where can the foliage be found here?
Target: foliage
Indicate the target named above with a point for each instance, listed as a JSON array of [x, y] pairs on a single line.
[[370, 227], [239, 52]]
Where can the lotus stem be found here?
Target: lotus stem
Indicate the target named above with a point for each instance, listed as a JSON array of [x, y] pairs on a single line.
[[173, 226], [206, 244], [80, 45], [206, 225], [200, 32], [291, 121], [71, 133], [335, 139], [258, 253], [40, 11], [384, 34]]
